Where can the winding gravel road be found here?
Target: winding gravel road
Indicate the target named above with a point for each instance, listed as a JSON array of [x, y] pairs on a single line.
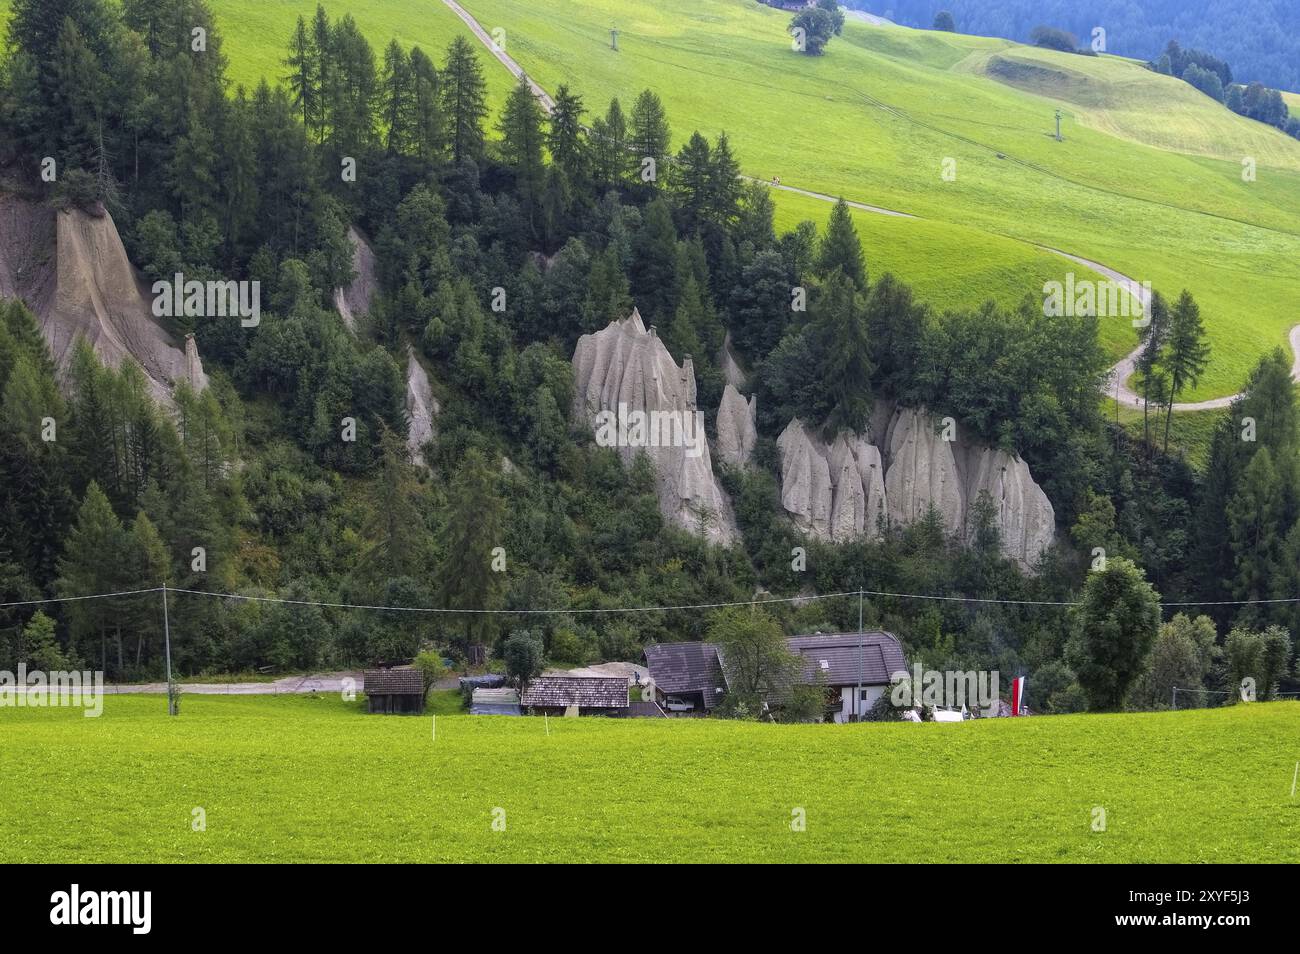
[[1120, 372]]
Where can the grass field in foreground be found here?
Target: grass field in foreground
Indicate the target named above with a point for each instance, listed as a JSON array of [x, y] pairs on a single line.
[[314, 779]]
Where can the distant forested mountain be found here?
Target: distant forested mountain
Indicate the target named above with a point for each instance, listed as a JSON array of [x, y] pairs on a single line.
[[1259, 38]]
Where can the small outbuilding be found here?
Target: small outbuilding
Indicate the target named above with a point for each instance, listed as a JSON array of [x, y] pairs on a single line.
[[495, 702], [688, 678], [394, 691], [576, 695]]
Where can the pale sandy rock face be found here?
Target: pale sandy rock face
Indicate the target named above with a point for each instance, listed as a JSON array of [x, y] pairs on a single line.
[[625, 369], [847, 491], [922, 472], [860, 504], [737, 428], [355, 299], [421, 407], [729, 363], [806, 489], [832, 493], [194, 374], [97, 295], [1021, 511]]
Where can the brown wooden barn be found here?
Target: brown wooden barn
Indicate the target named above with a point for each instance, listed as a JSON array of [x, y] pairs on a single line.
[[394, 691], [576, 695]]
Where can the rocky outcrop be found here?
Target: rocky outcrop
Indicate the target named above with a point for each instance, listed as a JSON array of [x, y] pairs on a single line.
[[737, 427], [922, 471], [632, 394], [1020, 511], [355, 299], [194, 374], [421, 407], [72, 270], [834, 492], [849, 489], [729, 363]]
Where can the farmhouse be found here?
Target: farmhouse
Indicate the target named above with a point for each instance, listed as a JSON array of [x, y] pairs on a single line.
[[576, 695], [843, 662], [394, 691], [687, 677], [690, 678]]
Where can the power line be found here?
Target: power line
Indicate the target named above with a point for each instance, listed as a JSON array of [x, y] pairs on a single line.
[[436, 610], [73, 599]]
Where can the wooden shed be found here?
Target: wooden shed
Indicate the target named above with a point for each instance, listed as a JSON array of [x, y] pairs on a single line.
[[394, 691], [576, 695]]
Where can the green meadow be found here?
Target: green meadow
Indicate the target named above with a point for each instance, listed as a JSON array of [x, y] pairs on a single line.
[[293, 778]]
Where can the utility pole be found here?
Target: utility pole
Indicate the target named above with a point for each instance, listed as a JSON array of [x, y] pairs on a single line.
[[857, 698], [167, 642], [613, 40], [1058, 125]]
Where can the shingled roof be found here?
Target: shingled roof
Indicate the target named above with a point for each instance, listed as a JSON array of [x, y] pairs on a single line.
[[686, 667], [834, 657], [587, 692], [378, 682]]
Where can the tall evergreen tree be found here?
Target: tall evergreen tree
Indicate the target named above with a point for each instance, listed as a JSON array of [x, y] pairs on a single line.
[[1152, 380], [396, 99], [649, 136], [840, 247], [464, 92], [521, 148], [1186, 353], [428, 121], [303, 62], [611, 159], [474, 531], [564, 136]]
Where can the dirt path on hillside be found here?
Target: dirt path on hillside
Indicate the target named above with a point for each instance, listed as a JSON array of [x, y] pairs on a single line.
[[506, 59], [1120, 372]]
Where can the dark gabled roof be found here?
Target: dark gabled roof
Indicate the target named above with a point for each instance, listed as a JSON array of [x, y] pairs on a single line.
[[588, 692], [834, 657], [379, 682], [686, 667]]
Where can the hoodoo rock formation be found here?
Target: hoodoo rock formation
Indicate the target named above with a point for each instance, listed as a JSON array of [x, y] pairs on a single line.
[[737, 428], [71, 269], [848, 489], [421, 407], [833, 492], [628, 389], [355, 299], [922, 471]]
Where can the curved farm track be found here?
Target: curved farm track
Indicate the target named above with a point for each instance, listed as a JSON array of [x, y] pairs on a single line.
[[1120, 372]]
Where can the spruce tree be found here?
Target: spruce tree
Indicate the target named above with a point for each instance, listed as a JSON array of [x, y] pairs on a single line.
[[475, 518], [1186, 352], [840, 247], [521, 148], [564, 136], [464, 92], [649, 135], [303, 62]]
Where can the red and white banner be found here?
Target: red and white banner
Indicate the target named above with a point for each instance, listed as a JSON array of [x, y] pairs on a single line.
[[1017, 694]]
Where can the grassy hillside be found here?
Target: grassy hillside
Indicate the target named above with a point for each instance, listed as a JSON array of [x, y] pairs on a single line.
[[876, 115], [302, 779], [1147, 181]]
